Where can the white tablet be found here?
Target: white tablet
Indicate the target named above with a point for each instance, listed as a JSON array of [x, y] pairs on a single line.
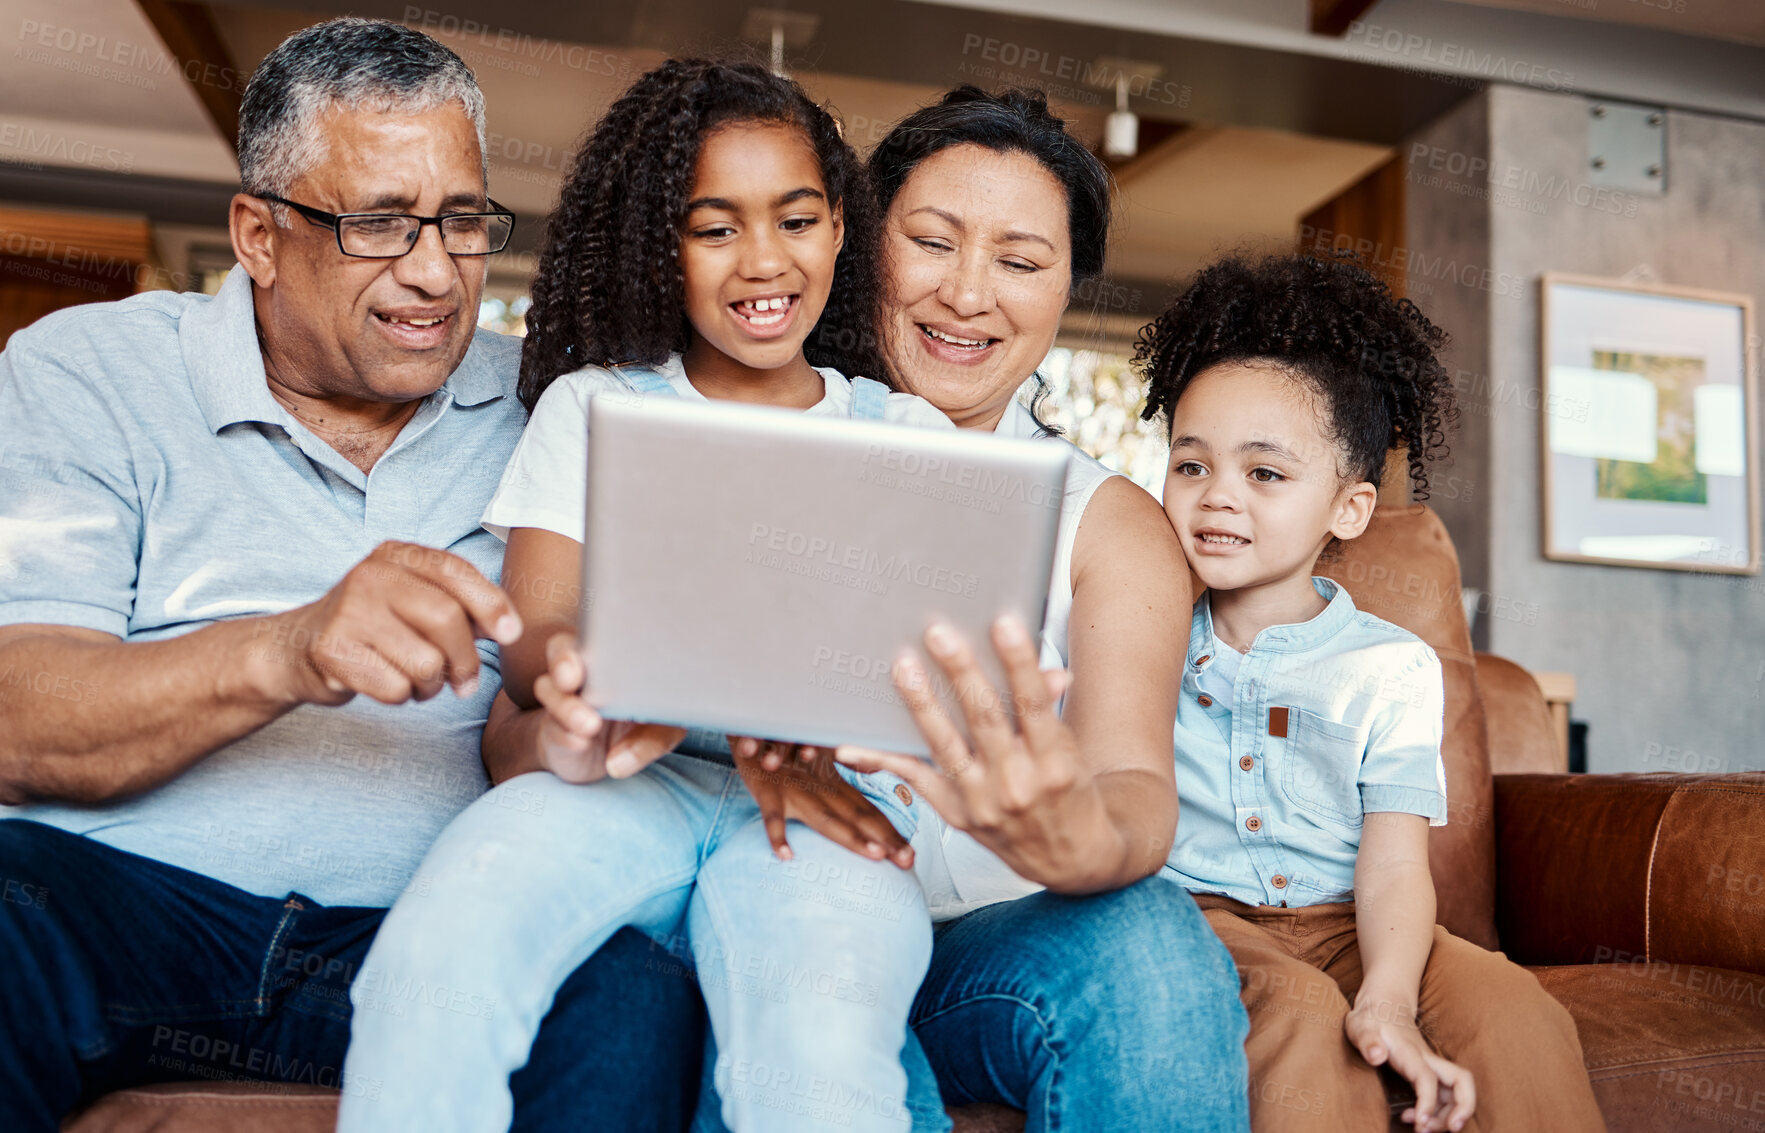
[[756, 571]]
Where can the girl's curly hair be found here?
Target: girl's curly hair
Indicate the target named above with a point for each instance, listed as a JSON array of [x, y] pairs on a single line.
[[1330, 323], [609, 289]]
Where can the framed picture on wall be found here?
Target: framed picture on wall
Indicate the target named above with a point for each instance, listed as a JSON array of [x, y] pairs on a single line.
[[1650, 426]]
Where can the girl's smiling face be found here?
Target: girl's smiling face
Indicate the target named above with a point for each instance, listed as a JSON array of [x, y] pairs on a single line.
[[758, 247], [979, 263]]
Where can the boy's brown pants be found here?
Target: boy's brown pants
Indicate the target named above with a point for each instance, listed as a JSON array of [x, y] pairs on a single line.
[[1298, 971]]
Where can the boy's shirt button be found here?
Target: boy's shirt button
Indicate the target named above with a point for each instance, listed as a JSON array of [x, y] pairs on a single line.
[[1247, 762], [1253, 824], [1204, 700], [1279, 881]]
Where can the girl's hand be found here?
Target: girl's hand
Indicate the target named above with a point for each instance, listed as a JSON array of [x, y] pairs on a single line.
[[575, 743], [807, 786], [1445, 1094], [1021, 789]]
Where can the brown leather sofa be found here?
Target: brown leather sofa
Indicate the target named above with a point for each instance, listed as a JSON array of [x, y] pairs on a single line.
[[1639, 900]]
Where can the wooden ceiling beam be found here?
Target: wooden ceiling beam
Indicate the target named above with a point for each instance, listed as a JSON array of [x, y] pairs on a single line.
[[1333, 17], [190, 34]]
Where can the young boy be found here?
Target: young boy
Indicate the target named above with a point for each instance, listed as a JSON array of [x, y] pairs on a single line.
[[1308, 732]]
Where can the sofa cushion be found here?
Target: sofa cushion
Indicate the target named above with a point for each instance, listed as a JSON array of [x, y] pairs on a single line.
[[1404, 569], [201, 1107], [1675, 1047]]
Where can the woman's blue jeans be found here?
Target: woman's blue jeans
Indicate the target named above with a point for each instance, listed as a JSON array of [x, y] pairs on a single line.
[[1116, 1011]]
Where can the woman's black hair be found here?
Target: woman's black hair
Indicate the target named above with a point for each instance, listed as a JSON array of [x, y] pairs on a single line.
[[609, 289], [1333, 325], [1012, 121]]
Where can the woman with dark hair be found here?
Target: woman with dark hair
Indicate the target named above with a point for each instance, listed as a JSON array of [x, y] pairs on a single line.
[[1066, 979]]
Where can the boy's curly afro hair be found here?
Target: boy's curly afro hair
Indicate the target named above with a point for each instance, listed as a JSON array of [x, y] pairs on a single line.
[[1333, 325], [608, 289]]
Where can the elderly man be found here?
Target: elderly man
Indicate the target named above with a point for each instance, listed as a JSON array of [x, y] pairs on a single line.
[[244, 611]]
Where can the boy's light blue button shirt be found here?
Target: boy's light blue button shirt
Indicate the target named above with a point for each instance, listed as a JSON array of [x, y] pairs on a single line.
[[150, 485], [1330, 719]]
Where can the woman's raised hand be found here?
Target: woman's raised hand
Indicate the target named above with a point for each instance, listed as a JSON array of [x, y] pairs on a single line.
[[575, 743], [1020, 788]]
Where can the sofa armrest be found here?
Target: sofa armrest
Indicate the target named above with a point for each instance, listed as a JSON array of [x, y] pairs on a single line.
[[1522, 734], [1665, 868]]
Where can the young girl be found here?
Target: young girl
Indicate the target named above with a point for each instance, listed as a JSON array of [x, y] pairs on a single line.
[[712, 219], [1308, 732]]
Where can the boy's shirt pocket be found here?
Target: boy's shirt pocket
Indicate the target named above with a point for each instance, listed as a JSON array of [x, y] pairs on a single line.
[[1320, 769]]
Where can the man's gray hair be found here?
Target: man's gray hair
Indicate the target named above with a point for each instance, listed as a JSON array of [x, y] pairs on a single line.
[[355, 63]]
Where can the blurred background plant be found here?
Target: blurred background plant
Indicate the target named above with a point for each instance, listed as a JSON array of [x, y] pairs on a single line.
[[1095, 398]]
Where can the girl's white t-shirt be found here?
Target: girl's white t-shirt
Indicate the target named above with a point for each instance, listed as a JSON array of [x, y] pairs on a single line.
[[546, 482]]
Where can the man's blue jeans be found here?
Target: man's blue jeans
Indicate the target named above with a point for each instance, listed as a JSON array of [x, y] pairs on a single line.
[[1113, 1011], [121, 971]]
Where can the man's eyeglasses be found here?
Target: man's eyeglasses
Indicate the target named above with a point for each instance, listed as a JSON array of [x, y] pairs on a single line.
[[389, 235]]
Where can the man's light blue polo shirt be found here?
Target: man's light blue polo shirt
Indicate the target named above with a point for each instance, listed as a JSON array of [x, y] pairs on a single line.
[[1329, 719], [150, 485]]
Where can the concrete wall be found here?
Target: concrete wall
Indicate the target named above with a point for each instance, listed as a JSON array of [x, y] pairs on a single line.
[[1447, 223], [1671, 664]]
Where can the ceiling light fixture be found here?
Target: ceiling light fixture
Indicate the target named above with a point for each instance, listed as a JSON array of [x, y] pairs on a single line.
[[779, 29], [1121, 133]]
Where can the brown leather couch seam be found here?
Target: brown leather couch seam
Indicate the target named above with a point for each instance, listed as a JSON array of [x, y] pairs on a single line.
[[1648, 885], [1600, 1076], [1707, 789], [1723, 1054]]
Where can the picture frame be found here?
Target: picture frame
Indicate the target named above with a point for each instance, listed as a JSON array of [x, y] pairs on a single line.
[[1649, 426]]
